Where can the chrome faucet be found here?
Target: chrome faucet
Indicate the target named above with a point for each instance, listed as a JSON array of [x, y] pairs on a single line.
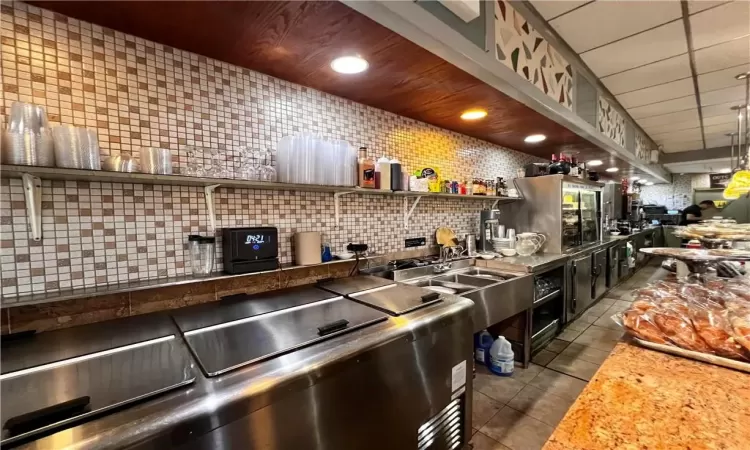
[[444, 263]]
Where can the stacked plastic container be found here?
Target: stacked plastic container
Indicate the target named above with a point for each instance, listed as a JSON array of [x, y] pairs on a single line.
[[306, 158]]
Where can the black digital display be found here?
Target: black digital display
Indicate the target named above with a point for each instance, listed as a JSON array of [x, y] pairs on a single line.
[[256, 239]]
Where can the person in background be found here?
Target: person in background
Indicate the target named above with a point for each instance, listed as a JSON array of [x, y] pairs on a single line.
[[694, 213]]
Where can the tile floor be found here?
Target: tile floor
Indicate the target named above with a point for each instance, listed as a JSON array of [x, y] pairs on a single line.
[[520, 412]]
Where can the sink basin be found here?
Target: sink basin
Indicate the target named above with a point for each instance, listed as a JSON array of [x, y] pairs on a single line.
[[444, 287], [459, 278], [487, 275]]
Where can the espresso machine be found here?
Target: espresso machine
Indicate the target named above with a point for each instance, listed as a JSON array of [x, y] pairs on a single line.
[[488, 223]]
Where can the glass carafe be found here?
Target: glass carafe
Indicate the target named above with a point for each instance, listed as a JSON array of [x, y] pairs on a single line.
[[529, 243]]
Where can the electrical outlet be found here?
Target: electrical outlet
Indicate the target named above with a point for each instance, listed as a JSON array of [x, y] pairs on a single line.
[[415, 242]]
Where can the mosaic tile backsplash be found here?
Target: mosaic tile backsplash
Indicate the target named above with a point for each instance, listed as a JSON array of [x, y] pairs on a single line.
[[137, 93], [678, 195]]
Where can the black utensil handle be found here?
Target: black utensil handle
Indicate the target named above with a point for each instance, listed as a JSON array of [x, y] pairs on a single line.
[[46, 416], [430, 297], [333, 327]]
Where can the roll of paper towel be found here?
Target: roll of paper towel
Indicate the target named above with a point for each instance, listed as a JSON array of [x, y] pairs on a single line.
[[307, 248]]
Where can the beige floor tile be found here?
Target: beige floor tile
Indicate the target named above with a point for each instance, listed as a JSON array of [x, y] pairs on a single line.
[[481, 441], [516, 430], [559, 384], [577, 325], [622, 304], [574, 366], [557, 345], [600, 338], [605, 321], [543, 406], [527, 374], [589, 354], [498, 388], [598, 309], [588, 317], [607, 301], [543, 357], [569, 335], [483, 409]]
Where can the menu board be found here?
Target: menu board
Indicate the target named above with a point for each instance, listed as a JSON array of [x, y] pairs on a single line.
[[720, 180]]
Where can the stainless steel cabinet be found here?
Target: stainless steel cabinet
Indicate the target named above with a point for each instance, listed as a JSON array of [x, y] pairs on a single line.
[[613, 266], [599, 274], [581, 285]]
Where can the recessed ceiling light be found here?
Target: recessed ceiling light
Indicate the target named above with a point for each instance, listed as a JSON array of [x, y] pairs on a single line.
[[634, 178], [650, 183], [474, 114], [349, 65], [612, 169], [534, 138], [725, 170], [594, 163]]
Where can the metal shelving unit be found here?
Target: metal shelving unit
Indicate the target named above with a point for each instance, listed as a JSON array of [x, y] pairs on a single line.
[[32, 176]]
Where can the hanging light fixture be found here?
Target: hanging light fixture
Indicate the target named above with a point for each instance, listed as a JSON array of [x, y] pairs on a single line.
[[740, 182]]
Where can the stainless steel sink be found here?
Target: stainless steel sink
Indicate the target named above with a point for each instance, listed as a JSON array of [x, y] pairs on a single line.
[[487, 274], [446, 287], [465, 279]]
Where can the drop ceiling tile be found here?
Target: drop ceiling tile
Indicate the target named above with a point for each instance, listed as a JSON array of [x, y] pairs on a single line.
[[553, 8], [683, 146], [721, 109], [678, 136], [720, 24], [695, 6], [650, 46], [725, 118], [727, 54], [600, 23], [660, 72], [723, 128], [672, 126], [719, 96], [666, 119], [665, 107], [721, 78], [720, 141], [654, 94]]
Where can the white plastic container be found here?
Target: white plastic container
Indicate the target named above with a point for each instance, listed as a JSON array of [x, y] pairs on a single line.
[[500, 360], [383, 167]]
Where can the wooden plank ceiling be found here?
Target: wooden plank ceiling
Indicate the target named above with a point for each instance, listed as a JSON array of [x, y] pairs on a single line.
[[297, 40]]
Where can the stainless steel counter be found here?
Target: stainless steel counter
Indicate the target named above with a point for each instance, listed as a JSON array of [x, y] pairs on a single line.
[[372, 387], [528, 264]]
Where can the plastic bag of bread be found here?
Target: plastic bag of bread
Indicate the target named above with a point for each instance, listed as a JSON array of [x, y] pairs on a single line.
[[740, 322], [638, 323], [674, 323], [711, 322]]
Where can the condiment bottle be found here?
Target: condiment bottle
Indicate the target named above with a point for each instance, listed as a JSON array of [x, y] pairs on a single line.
[[366, 173], [396, 175], [383, 167]]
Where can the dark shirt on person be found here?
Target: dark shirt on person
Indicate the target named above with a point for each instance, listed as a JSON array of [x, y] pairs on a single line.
[[692, 209]]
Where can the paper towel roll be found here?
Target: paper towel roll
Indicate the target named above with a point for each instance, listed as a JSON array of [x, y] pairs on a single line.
[[307, 248]]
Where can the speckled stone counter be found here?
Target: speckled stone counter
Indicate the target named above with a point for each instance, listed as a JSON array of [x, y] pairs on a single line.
[[643, 399]]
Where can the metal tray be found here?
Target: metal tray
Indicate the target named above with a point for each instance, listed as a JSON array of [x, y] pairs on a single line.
[[687, 254], [698, 356]]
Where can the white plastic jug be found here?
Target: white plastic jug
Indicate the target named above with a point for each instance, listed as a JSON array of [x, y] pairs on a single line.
[[500, 358]]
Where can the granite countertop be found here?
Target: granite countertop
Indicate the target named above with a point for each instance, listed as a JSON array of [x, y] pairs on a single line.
[[641, 398]]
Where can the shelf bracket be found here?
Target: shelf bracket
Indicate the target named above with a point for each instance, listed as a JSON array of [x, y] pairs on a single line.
[[337, 205], [32, 189], [408, 211], [208, 194]]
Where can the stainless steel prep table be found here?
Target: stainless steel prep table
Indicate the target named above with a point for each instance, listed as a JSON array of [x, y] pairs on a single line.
[[387, 384]]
